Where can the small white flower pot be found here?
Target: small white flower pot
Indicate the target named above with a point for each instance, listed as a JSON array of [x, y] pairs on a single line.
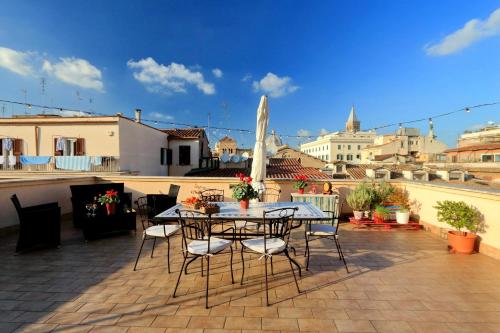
[[358, 214], [402, 217]]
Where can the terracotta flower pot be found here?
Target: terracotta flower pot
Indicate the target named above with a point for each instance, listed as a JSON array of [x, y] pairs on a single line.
[[378, 219], [300, 191], [461, 243], [244, 203], [111, 208]]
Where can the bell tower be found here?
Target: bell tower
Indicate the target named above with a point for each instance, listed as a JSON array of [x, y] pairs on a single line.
[[353, 124]]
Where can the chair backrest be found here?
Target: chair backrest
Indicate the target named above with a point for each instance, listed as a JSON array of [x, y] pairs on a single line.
[[194, 228], [17, 204], [334, 216], [213, 195], [173, 191], [143, 211], [270, 195], [278, 224]]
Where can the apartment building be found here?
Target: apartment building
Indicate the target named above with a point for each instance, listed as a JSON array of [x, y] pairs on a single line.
[[343, 145]]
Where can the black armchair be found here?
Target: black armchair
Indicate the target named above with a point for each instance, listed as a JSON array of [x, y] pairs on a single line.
[[38, 225]]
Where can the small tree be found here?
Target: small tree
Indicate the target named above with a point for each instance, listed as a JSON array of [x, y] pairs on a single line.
[[459, 215]]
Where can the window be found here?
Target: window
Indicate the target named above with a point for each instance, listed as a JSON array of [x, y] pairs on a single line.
[[358, 156], [359, 147], [349, 157], [487, 158], [165, 156], [340, 157], [338, 168], [339, 147], [348, 147], [497, 157], [184, 155], [71, 147]]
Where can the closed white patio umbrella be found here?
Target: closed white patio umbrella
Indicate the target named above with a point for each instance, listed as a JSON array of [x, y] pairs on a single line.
[[259, 152]]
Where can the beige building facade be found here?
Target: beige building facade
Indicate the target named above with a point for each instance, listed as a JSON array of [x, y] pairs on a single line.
[[341, 146]]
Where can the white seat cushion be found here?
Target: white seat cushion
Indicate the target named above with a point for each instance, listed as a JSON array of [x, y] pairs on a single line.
[[273, 245], [200, 247], [245, 224], [321, 230], [161, 230]]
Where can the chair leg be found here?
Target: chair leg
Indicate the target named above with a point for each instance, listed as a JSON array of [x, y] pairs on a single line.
[[308, 253], [179, 278], [168, 254], [232, 276], [293, 272], [140, 250], [295, 263], [267, 287], [208, 274], [189, 262], [202, 267], [153, 248], [341, 254], [272, 268], [337, 246], [243, 266]]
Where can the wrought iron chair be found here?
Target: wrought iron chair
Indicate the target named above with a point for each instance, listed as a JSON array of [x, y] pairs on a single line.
[[198, 242], [277, 225], [213, 195], [328, 231], [152, 231]]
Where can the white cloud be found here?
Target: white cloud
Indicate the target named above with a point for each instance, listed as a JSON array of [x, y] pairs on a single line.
[[16, 61], [246, 78], [274, 85], [303, 133], [75, 71], [473, 31], [323, 131], [217, 72], [170, 78], [160, 116]]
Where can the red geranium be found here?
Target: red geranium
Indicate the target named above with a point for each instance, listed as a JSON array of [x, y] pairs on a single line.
[[300, 181]]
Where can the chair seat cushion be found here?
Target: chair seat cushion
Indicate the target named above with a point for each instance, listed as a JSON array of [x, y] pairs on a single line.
[[273, 245], [200, 247], [245, 224], [322, 230], [162, 230]]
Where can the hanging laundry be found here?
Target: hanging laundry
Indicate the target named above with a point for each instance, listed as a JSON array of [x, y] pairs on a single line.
[[7, 144], [12, 160], [61, 144], [75, 163], [34, 159]]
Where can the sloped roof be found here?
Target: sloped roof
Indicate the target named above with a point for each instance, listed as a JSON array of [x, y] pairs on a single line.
[[383, 157], [278, 168], [485, 146], [356, 171], [227, 138], [185, 133]]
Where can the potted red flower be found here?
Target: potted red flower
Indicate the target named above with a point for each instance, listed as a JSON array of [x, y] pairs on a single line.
[[243, 191], [110, 199], [300, 183]]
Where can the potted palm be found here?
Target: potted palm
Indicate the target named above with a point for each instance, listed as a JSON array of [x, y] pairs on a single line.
[[300, 183], [243, 191], [110, 199], [359, 200], [465, 219]]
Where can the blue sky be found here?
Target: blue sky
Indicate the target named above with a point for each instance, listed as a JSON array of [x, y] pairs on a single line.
[[179, 60]]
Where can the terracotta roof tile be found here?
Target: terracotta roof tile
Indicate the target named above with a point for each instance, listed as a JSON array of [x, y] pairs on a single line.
[[184, 133], [486, 146]]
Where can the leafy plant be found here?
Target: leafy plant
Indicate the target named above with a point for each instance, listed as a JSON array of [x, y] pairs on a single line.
[[459, 215], [379, 193], [300, 182], [382, 212], [359, 198], [111, 196], [401, 198], [244, 190]]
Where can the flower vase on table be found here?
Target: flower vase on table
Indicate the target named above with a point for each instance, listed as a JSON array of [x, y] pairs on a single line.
[[300, 183], [110, 199], [244, 191]]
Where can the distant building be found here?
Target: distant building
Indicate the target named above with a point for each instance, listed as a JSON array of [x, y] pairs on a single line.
[[341, 146], [485, 135], [306, 160], [229, 146], [187, 150], [483, 153], [406, 145]]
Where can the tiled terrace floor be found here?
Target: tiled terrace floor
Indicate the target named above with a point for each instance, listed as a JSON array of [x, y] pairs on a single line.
[[400, 282]]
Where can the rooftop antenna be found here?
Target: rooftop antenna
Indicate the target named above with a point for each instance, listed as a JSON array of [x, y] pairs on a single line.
[[43, 83]]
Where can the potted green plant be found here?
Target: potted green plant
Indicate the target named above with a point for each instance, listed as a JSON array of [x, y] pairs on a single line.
[[110, 199], [359, 200], [243, 191], [380, 214], [300, 183], [401, 198], [465, 219]]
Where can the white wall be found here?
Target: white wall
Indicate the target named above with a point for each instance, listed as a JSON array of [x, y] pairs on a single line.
[[140, 148], [180, 170]]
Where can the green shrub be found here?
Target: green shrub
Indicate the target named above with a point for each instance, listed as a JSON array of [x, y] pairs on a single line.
[[458, 214], [359, 198]]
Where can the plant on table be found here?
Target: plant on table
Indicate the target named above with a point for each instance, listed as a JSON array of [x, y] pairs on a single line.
[[359, 200], [243, 191], [465, 219], [300, 183], [110, 199]]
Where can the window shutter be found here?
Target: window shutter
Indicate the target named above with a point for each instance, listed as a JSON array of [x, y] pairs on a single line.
[[169, 156], [80, 147], [56, 152], [17, 146], [1, 147]]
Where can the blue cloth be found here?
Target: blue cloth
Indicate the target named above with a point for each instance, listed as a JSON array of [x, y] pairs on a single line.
[[34, 159], [76, 163], [60, 144], [97, 160], [7, 144]]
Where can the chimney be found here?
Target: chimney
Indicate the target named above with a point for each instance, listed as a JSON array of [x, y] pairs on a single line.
[[138, 115]]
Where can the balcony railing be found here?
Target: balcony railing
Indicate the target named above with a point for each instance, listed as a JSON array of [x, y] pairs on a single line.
[[97, 164]]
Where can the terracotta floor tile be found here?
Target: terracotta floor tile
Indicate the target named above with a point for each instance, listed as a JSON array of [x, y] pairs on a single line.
[[171, 321], [261, 311], [73, 328], [279, 324], [206, 322], [67, 318], [136, 320], [354, 325], [320, 325], [243, 323], [386, 326], [295, 313]]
